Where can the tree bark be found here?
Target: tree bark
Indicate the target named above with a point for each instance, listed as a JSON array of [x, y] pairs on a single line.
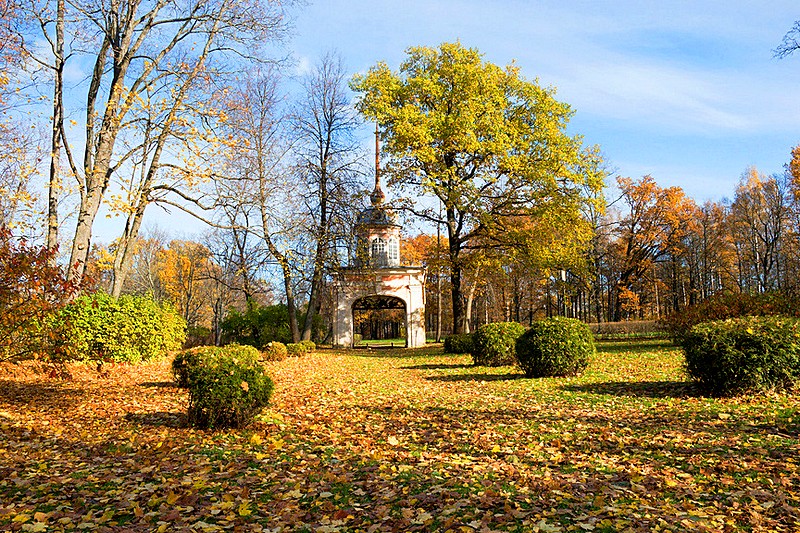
[[54, 188]]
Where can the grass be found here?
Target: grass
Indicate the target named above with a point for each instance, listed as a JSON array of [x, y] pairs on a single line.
[[404, 440], [398, 342]]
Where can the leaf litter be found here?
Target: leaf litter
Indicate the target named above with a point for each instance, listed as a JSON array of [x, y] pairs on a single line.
[[401, 441]]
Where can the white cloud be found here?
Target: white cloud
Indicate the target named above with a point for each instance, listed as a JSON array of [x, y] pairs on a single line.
[[303, 66]]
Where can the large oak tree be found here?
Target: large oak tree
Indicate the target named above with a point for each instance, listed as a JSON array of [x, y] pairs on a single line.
[[489, 144]]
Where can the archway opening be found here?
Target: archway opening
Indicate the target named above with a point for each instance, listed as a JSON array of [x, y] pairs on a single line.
[[379, 321]]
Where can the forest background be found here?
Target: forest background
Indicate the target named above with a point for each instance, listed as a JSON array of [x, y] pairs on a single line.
[[194, 109]]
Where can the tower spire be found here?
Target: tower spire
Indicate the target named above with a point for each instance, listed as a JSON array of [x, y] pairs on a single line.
[[377, 195]]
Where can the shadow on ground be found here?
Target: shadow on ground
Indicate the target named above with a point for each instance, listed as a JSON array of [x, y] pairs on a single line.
[[623, 346], [438, 366], [158, 384], [158, 419], [639, 389], [38, 394], [476, 377]]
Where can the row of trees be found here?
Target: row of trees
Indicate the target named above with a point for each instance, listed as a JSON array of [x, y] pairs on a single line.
[[653, 252], [185, 106]]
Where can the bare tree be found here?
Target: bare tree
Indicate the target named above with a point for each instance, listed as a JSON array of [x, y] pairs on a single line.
[[262, 178], [759, 217], [790, 43], [144, 53], [329, 159]]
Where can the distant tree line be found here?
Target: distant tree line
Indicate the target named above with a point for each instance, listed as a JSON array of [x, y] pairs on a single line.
[[190, 108]]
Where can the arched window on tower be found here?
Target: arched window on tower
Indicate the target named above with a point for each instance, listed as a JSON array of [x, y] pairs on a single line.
[[394, 252], [378, 252]]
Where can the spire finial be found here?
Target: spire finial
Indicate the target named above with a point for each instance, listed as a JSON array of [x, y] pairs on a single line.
[[377, 195]]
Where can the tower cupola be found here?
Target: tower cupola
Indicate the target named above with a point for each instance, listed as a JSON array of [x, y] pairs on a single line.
[[377, 232]]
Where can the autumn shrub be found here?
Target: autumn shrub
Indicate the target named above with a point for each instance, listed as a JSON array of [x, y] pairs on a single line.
[[32, 287], [204, 355], [730, 305], [494, 344], [555, 346], [460, 343], [227, 391], [296, 349], [186, 359], [99, 327], [275, 351], [310, 345], [744, 354]]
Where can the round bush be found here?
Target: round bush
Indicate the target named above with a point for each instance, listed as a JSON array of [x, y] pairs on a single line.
[[494, 344], [461, 343], [204, 355], [296, 349], [184, 360], [744, 354], [227, 391], [275, 351], [555, 346], [310, 345], [242, 353]]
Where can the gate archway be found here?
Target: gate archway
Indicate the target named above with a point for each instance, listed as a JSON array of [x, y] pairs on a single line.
[[380, 318]]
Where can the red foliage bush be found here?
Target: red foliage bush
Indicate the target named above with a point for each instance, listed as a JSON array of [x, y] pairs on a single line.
[[31, 287], [730, 305]]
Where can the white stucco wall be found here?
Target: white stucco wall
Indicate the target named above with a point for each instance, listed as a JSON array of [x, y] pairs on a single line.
[[405, 283]]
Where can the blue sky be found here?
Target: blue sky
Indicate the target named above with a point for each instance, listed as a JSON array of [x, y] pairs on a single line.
[[686, 91]]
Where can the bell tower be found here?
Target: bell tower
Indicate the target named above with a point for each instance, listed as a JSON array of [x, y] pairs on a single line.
[[376, 280]]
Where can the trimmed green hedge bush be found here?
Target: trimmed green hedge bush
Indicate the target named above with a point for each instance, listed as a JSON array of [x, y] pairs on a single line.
[[461, 343], [204, 355], [744, 354], [99, 327], [494, 344], [310, 345], [555, 346], [296, 349], [275, 351], [227, 389]]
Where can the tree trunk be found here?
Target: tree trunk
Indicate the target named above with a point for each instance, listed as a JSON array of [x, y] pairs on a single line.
[[54, 188], [127, 243], [290, 303], [470, 299], [319, 264], [458, 300]]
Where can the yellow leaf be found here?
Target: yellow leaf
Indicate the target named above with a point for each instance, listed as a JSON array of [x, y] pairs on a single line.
[[244, 510], [255, 439], [172, 498], [495, 448], [107, 515], [21, 518]]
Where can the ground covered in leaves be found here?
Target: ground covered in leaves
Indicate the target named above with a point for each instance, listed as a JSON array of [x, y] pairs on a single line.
[[401, 441]]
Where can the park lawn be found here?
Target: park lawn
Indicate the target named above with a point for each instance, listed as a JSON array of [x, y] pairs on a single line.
[[403, 440]]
